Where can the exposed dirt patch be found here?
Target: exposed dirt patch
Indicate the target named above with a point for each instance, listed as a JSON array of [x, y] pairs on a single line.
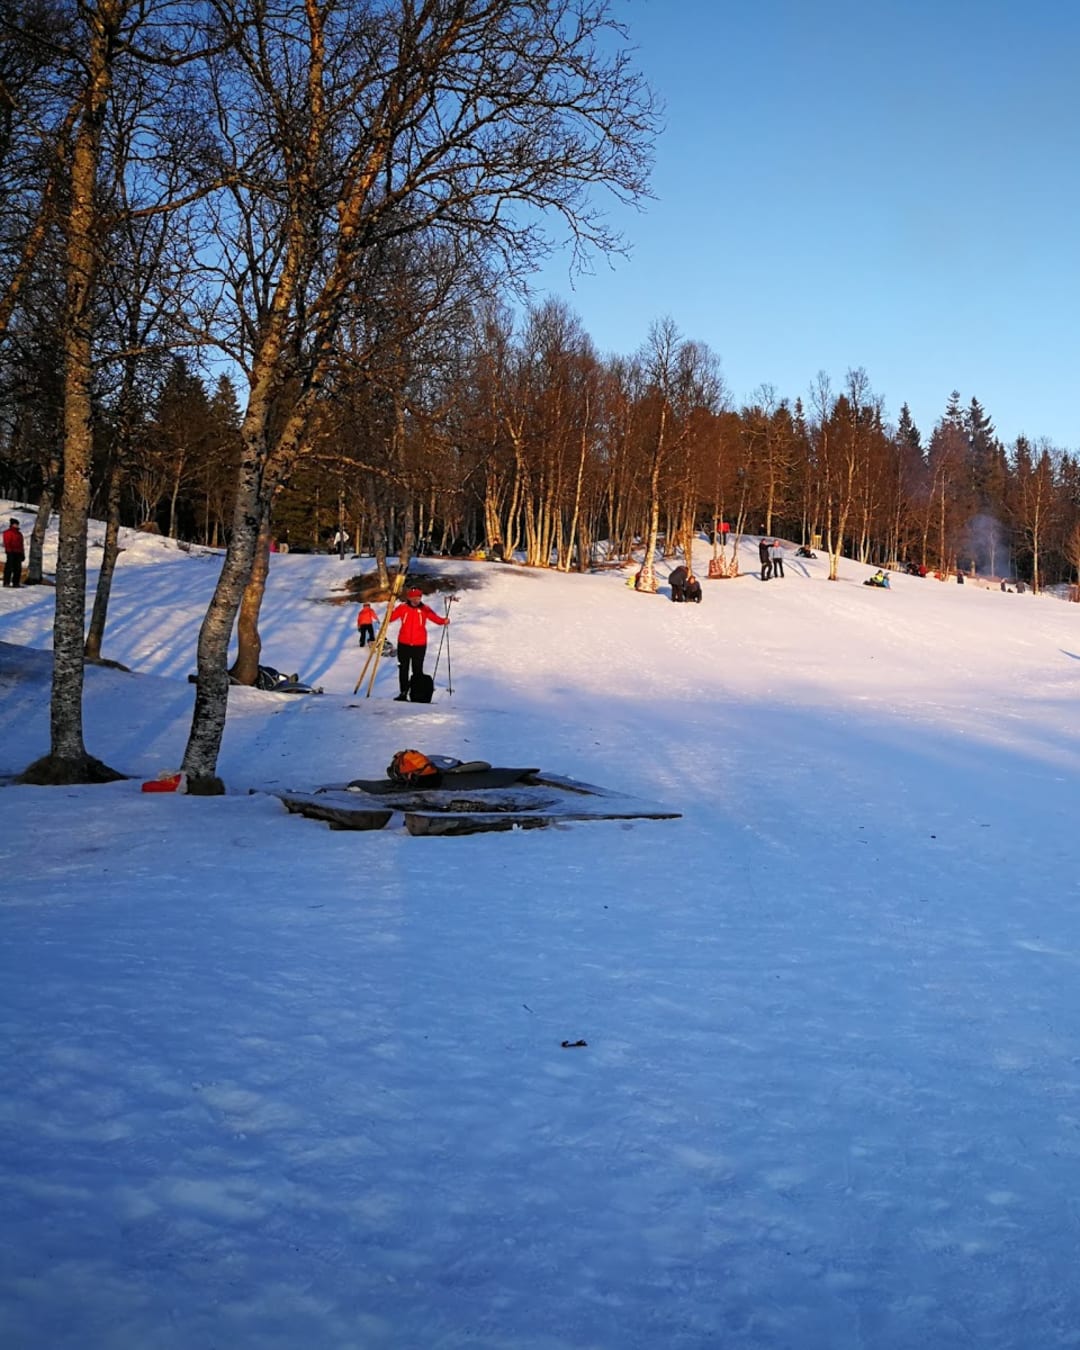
[[366, 586]]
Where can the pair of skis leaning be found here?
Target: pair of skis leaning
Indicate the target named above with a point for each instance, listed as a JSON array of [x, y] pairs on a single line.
[[375, 649]]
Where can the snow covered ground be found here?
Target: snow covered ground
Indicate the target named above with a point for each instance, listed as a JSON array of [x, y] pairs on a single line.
[[271, 1085]]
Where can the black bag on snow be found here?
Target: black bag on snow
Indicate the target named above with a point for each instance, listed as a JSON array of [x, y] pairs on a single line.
[[268, 678], [421, 688]]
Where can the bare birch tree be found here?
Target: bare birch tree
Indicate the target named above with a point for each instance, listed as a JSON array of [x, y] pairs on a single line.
[[345, 124], [68, 760], [681, 378], [103, 41], [1036, 505]]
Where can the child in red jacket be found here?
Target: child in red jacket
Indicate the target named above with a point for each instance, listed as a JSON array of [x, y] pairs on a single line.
[[365, 624], [14, 552]]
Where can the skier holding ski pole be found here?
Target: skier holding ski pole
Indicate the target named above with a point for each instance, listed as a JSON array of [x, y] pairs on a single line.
[[414, 617], [445, 637]]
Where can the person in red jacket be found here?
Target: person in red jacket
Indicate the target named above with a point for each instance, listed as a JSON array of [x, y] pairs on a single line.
[[365, 624], [414, 616], [14, 552]]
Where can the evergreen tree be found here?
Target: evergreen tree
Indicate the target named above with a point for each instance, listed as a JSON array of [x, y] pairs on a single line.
[[954, 414], [982, 445], [907, 433]]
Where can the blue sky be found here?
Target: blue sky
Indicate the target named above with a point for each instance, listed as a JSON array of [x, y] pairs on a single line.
[[878, 184]]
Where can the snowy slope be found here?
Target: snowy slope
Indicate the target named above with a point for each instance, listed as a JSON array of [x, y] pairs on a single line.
[[274, 1085]]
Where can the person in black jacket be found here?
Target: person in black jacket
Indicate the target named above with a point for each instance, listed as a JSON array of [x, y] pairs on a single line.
[[678, 579], [692, 590], [766, 560]]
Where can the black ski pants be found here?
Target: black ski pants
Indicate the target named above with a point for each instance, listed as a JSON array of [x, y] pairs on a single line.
[[13, 569], [410, 663], [367, 633]]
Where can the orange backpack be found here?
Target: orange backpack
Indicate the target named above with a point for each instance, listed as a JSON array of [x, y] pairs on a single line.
[[412, 768]]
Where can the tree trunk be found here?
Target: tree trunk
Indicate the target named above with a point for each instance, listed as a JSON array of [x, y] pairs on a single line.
[[943, 560], [67, 760], [95, 634], [575, 514], [174, 495], [245, 669], [381, 569], [378, 525], [35, 573], [494, 493], [212, 680], [408, 537], [647, 575]]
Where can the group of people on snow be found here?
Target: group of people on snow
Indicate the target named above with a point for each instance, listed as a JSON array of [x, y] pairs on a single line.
[[414, 617], [685, 587], [771, 556]]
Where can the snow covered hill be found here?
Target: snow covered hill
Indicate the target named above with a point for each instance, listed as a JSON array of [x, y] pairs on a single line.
[[270, 1084]]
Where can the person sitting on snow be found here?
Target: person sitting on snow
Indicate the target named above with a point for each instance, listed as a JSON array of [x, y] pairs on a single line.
[[878, 579], [692, 589]]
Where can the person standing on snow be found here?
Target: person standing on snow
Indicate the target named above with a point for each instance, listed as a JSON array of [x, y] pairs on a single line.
[[766, 559], [14, 552], [776, 558], [414, 616], [365, 624], [678, 584]]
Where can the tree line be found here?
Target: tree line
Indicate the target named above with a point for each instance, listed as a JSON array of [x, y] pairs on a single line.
[[518, 439], [257, 282]]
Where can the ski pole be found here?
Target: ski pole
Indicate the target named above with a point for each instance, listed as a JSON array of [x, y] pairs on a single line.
[[449, 677], [444, 637]]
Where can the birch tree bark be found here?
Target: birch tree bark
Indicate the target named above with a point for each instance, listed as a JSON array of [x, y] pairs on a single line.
[[68, 760]]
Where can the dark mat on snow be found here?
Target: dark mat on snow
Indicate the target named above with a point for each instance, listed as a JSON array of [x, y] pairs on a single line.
[[452, 781]]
